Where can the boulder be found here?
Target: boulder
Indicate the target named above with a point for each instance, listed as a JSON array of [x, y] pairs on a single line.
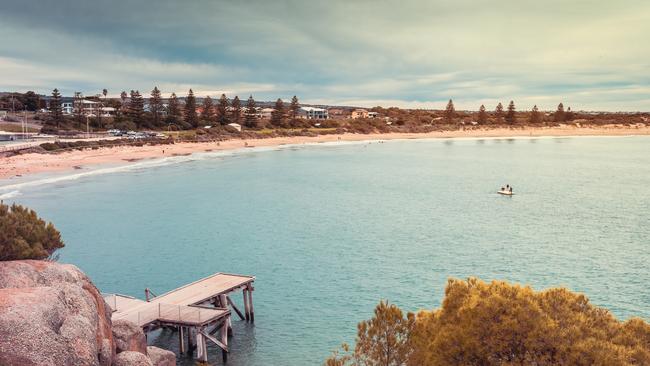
[[131, 358], [129, 337], [52, 314], [161, 357]]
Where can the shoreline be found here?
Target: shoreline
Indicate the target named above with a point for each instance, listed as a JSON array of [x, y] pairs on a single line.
[[35, 163]]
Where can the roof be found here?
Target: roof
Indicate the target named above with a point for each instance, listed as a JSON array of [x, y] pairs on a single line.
[[313, 109]]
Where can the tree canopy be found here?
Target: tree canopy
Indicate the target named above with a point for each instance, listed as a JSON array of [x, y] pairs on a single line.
[[191, 118], [498, 323], [450, 111], [23, 235], [510, 115]]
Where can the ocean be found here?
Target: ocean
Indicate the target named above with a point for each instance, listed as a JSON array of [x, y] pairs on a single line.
[[329, 230]]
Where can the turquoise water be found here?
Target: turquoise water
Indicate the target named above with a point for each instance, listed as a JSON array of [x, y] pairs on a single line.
[[329, 230]]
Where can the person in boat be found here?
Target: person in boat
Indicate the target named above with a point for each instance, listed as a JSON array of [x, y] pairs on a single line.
[[510, 189], [502, 189]]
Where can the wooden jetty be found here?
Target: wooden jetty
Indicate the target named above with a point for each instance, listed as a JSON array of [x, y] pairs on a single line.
[[197, 311]]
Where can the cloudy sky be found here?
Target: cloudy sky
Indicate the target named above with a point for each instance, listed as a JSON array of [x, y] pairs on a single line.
[[589, 54]]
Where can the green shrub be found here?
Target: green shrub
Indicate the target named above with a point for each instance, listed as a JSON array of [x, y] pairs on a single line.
[[23, 235]]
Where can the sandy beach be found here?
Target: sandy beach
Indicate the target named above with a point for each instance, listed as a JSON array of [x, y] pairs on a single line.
[[26, 164]]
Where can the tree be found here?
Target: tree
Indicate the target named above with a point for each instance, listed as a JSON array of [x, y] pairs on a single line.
[[56, 114], [482, 115], [173, 110], [278, 114], [32, 101], [156, 106], [251, 113], [77, 107], [222, 110], [498, 113], [535, 118], [502, 324], [207, 114], [235, 114], [293, 108], [123, 106], [23, 235], [559, 114], [450, 111], [510, 115], [191, 119], [136, 109], [381, 341]]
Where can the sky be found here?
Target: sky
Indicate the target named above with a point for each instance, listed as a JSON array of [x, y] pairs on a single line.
[[588, 54]]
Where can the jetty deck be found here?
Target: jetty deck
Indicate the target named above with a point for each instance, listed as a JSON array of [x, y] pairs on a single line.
[[191, 309]]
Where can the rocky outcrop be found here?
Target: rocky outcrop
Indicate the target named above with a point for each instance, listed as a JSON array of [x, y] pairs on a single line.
[[52, 314], [131, 358], [129, 337], [161, 357]]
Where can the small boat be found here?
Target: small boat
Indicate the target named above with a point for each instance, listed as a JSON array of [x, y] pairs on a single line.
[[505, 193]]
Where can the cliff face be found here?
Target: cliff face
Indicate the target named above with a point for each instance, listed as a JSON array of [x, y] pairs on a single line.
[[52, 314]]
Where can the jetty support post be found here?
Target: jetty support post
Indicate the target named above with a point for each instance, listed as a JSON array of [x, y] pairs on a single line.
[[202, 346], [223, 300], [246, 307], [250, 303], [181, 346], [224, 340]]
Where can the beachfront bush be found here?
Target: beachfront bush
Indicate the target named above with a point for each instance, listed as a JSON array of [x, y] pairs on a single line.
[[499, 324], [23, 235]]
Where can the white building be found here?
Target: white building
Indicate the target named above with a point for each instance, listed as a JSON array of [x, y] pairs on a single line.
[[313, 113], [88, 108]]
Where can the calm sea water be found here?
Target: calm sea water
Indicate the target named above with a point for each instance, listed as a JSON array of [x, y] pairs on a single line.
[[329, 230]]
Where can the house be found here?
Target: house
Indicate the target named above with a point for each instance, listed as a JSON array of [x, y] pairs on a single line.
[[265, 113], [373, 114], [88, 108], [359, 113], [313, 113], [338, 113]]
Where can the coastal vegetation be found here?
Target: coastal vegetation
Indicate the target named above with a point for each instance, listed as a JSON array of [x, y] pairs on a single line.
[[498, 323], [132, 111], [24, 235]]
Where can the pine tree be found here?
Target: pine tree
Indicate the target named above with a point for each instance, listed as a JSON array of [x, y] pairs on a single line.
[[251, 113], [559, 114], [482, 115], [56, 114], [510, 115], [278, 114], [208, 111], [191, 119], [77, 107], [156, 106], [235, 114], [499, 113], [294, 107], [534, 115], [173, 110], [450, 111], [123, 107], [222, 110], [136, 109]]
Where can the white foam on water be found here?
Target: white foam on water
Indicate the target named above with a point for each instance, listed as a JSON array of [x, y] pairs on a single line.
[[8, 195]]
